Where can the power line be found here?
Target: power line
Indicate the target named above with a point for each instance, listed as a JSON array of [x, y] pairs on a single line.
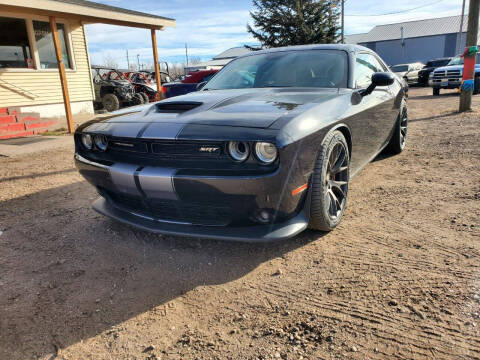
[[398, 12]]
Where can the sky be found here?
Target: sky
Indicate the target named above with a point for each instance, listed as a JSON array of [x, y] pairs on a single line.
[[212, 26]]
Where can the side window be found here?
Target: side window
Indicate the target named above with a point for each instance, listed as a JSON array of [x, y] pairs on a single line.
[[366, 65]]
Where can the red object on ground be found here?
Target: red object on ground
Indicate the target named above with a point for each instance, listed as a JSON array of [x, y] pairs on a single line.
[[194, 77]]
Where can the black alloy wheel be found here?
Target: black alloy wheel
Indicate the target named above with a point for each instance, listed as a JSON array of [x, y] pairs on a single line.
[[330, 180], [399, 137], [337, 181], [403, 127]]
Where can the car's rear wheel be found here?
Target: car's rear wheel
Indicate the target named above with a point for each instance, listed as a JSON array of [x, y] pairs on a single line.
[[330, 183], [110, 102], [436, 91], [145, 98], [399, 137]]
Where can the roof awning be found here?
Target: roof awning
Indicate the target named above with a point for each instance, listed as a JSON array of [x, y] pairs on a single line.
[[89, 12]]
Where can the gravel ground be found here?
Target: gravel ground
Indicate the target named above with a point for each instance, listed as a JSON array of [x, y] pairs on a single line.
[[399, 278]]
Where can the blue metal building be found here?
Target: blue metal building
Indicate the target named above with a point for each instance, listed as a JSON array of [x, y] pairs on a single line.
[[422, 40]]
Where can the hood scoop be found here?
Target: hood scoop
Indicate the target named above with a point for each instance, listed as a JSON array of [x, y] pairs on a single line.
[[176, 106]]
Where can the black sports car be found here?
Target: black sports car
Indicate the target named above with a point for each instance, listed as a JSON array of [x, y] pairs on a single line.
[[266, 149]]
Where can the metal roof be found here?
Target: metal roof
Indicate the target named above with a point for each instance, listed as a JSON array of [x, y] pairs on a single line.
[[233, 53], [411, 29]]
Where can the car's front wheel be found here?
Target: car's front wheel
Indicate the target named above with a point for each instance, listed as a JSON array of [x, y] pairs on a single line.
[[330, 183]]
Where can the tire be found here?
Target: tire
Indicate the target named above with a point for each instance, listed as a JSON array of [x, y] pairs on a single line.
[[436, 91], [399, 137], [137, 99], [476, 86], [329, 188], [110, 102], [146, 100]]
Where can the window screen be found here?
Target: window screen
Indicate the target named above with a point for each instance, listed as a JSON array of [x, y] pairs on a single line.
[[14, 46], [45, 46]]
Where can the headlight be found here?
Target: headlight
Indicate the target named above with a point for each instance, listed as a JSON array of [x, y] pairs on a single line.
[[101, 142], [87, 141], [239, 150], [266, 152]]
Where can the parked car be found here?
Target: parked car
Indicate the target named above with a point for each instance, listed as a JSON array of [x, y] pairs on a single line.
[[188, 84], [266, 149], [429, 67], [450, 76], [409, 72], [112, 91]]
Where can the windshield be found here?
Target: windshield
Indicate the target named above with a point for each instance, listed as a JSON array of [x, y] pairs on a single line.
[[437, 63], [304, 68], [399, 68], [457, 60]]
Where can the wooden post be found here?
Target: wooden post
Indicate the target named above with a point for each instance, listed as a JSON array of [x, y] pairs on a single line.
[[157, 66], [472, 32], [63, 75]]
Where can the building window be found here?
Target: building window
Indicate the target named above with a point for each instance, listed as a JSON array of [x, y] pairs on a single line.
[[14, 45], [45, 47]]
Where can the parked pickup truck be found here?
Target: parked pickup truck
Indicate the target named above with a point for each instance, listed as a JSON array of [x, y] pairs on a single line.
[[450, 76], [188, 84]]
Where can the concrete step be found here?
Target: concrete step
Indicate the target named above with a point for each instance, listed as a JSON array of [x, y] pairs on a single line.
[[16, 134], [6, 129], [24, 117], [7, 119]]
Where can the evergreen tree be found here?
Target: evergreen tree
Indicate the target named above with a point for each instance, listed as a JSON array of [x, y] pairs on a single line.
[[294, 22]]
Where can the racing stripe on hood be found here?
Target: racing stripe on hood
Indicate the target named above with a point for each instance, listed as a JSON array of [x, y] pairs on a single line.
[[160, 131]]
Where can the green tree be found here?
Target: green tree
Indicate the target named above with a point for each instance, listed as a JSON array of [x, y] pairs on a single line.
[[294, 22]]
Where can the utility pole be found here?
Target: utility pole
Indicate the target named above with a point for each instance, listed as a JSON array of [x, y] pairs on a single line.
[[460, 32], [186, 53], [128, 61], [472, 33], [138, 61], [343, 21]]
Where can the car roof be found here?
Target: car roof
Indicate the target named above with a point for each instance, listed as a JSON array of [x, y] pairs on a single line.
[[345, 47]]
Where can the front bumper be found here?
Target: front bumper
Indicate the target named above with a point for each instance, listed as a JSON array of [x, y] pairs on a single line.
[[450, 84], [222, 207], [256, 233]]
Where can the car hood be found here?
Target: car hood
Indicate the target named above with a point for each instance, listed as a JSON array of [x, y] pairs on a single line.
[[257, 108]]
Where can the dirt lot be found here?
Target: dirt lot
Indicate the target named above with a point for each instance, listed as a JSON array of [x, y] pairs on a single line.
[[399, 279]]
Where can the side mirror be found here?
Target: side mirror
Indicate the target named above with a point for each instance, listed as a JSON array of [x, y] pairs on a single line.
[[379, 79], [200, 85]]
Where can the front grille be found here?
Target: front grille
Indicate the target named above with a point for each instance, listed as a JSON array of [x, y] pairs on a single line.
[[171, 210], [449, 74], [167, 149]]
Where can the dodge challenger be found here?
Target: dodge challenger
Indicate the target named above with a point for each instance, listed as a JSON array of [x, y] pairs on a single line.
[[265, 150]]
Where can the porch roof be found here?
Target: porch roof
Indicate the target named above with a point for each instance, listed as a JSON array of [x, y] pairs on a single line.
[[89, 12]]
